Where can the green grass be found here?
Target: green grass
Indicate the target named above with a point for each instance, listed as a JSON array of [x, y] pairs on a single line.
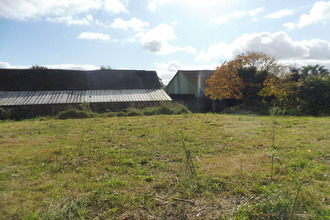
[[139, 167]]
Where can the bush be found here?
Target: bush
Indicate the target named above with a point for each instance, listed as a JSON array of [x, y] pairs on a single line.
[[85, 106], [5, 114], [73, 113], [151, 111], [314, 95], [110, 114], [134, 112], [181, 109], [166, 110], [121, 113]]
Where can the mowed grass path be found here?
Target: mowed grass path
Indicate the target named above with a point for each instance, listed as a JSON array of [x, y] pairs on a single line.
[[138, 167]]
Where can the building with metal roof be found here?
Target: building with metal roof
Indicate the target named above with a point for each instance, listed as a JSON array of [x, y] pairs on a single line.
[[57, 89], [188, 86]]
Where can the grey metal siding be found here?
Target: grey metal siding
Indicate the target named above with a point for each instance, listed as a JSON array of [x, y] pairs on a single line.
[[181, 85], [14, 98]]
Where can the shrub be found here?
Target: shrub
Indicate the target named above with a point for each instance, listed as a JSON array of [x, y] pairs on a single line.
[[181, 110], [85, 106], [5, 114], [73, 113], [151, 111], [121, 113], [167, 109], [134, 112], [110, 114]]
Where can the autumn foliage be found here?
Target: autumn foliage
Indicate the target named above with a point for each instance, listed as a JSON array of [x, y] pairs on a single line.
[[256, 78], [242, 76], [225, 83]]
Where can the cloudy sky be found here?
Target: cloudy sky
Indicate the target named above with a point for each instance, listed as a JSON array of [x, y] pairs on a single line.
[[161, 35]]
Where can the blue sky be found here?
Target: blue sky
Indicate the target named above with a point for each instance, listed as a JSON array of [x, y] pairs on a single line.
[[161, 35]]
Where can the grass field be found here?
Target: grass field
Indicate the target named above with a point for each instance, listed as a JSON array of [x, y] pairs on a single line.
[[191, 166]]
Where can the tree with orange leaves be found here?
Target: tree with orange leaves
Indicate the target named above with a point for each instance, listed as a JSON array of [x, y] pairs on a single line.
[[225, 83], [242, 78]]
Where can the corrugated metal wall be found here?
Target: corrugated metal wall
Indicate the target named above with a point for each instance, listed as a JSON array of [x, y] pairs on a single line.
[[16, 98], [180, 85]]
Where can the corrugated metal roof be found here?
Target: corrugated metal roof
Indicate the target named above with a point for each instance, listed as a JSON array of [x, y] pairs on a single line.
[[52, 79], [12, 98]]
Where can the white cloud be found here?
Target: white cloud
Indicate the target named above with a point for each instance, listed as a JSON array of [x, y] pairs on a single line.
[[215, 51], [154, 4], [134, 24], [55, 9], [237, 14], [69, 20], [6, 65], [280, 14], [156, 41], [289, 25], [115, 6], [299, 62], [26, 9], [73, 66], [255, 12], [279, 45], [196, 6], [93, 36], [320, 13]]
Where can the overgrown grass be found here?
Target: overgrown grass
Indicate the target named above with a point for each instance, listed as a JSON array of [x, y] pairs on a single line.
[[73, 113], [164, 109], [190, 166]]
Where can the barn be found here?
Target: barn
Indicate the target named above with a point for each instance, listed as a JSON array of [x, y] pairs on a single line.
[[47, 91], [188, 86]]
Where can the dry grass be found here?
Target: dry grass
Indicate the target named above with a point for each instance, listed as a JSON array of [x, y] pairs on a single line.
[[249, 165], [134, 167]]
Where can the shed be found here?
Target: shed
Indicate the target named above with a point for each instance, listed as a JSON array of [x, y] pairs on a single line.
[[188, 86], [43, 90]]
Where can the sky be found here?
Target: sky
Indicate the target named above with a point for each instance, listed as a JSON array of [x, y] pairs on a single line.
[[161, 35]]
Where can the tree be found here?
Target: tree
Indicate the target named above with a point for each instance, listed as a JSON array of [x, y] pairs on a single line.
[[280, 91], [242, 78], [294, 74], [254, 77], [225, 83], [315, 70], [314, 90], [37, 67], [105, 67]]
